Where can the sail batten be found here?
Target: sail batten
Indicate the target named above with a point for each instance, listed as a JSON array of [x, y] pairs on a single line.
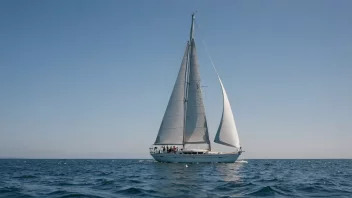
[[172, 125]]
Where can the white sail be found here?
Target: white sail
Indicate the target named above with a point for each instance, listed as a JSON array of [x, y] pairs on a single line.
[[227, 132], [196, 130], [172, 125]]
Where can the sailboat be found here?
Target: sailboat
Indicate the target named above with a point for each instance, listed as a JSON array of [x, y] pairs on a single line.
[[184, 126]]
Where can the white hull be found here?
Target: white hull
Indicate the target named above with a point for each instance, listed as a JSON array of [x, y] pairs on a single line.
[[196, 158]]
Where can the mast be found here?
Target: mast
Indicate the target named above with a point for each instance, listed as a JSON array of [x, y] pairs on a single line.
[[195, 124], [186, 78], [192, 27], [185, 101]]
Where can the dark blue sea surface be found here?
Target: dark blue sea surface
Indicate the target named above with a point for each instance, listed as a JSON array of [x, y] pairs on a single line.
[[147, 178]]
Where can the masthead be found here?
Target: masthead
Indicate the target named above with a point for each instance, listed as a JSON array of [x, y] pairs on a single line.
[[192, 26]]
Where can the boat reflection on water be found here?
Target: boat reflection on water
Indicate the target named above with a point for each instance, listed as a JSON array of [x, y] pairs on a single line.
[[230, 172], [178, 179]]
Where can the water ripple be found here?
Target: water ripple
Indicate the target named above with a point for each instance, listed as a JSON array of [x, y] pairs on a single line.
[[146, 178]]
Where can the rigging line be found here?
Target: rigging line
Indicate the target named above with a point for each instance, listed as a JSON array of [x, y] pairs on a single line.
[[199, 131], [206, 49], [211, 60]]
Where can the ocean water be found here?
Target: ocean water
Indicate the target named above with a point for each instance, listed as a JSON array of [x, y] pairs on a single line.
[[147, 178]]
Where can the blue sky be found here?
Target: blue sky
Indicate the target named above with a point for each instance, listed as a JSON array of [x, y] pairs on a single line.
[[91, 79]]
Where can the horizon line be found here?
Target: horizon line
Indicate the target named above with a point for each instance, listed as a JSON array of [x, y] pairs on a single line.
[[20, 158]]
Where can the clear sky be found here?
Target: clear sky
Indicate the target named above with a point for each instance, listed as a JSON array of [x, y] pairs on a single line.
[[91, 79]]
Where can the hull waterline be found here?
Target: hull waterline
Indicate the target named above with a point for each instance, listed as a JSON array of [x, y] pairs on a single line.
[[197, 158]]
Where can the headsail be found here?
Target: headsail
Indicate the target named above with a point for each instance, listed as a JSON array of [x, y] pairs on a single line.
[[227, 132], [196, 130], [172, 126]]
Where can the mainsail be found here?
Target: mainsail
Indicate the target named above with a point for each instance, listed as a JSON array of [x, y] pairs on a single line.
[[196, 129], [172, 126], [227, 132]]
